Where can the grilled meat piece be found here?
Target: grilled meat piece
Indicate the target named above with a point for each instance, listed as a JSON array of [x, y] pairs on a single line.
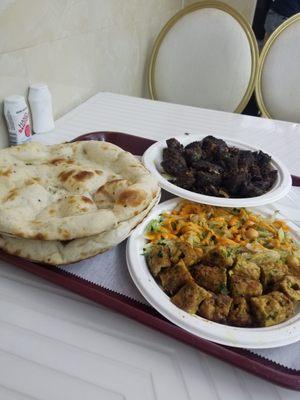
[[212, 168], [272, 273], [211, 278], [239, 314], [246, 287], [185, 252], [194, 145], [173, 162], [193, 156], [215, 308], [173, 144], [189, 297], [245, 268], [173, 278], [158, 258], [262, 158], [185, 180], [271, 309], [290, 285], [221, 256], [203, 179], [212, 147]]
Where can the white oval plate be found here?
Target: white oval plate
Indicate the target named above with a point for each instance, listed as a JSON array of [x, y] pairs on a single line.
[[256, 338], [152, 159]]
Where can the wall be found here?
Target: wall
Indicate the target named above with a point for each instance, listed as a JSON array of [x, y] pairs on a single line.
[[79, 47]]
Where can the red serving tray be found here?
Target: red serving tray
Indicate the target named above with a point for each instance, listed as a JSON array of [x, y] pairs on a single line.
[[146, 314]]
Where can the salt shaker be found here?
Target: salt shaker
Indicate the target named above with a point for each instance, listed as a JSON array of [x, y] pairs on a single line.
[[17, 118], [40, 102]]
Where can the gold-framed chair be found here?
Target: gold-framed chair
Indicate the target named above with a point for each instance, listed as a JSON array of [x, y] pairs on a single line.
[[206, 55], [277, 87]]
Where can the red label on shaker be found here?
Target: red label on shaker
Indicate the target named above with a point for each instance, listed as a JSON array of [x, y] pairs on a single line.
[[17, 118]]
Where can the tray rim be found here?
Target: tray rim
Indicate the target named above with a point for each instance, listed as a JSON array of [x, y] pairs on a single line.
[[241, 358]]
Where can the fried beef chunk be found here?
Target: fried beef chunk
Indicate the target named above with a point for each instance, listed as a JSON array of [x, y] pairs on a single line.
[[212, 147], [189, 297], [212, 168], [245, 268], [290, 286], [173, 144], [173, 278], [272, 308], [173, 162], [244, 286], [239, 314], [185, 180], [211, 278], [216, 308], [158, 258], [185, 252], [193, 156], [272, 273]]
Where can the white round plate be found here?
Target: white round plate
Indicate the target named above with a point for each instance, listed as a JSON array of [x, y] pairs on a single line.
[[152, 159], [279, 335]]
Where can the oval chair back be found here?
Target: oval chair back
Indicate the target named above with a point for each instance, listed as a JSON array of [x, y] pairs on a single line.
[[206, 56], [278, 79]]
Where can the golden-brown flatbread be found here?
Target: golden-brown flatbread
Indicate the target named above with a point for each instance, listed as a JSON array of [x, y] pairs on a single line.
[[70, 191]]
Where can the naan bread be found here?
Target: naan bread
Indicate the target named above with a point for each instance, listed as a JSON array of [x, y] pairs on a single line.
[[56, 252], [71, 190]]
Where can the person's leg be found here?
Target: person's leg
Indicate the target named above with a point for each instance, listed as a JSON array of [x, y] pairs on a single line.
[[272, 22]]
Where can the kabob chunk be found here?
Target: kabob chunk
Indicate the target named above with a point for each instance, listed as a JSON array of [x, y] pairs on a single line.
[[239, 314], [173, 278], [272, 273], [271, 309], [158, 258], [246, 287], [290, 285], [246, 268], [211, 278], [184, 251], [215, 308], [189, 297], [220, 256]]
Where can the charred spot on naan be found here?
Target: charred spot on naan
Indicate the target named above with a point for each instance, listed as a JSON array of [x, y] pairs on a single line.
[[80, 181], [107, 194], [6, 172], [132, 197], [109, 188], [57, 161], [40, 236], [83, 176], [87, 199], [63, 176], [12, 194], [65, 233], [32, 181]]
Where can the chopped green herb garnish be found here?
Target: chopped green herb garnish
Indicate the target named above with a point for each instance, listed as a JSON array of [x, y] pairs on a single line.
[[154, 226], [223, 289], [160, 254]]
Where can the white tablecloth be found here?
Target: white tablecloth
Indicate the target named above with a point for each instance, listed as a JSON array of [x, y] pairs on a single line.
[[56, 345]]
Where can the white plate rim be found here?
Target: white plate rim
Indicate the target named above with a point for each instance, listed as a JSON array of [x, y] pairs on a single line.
[[282, 186], [253, 338]]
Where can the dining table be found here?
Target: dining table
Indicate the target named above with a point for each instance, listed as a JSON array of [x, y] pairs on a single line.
[[58, 345]]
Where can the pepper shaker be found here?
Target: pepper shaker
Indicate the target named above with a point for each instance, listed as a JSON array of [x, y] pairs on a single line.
[[40, 101]]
